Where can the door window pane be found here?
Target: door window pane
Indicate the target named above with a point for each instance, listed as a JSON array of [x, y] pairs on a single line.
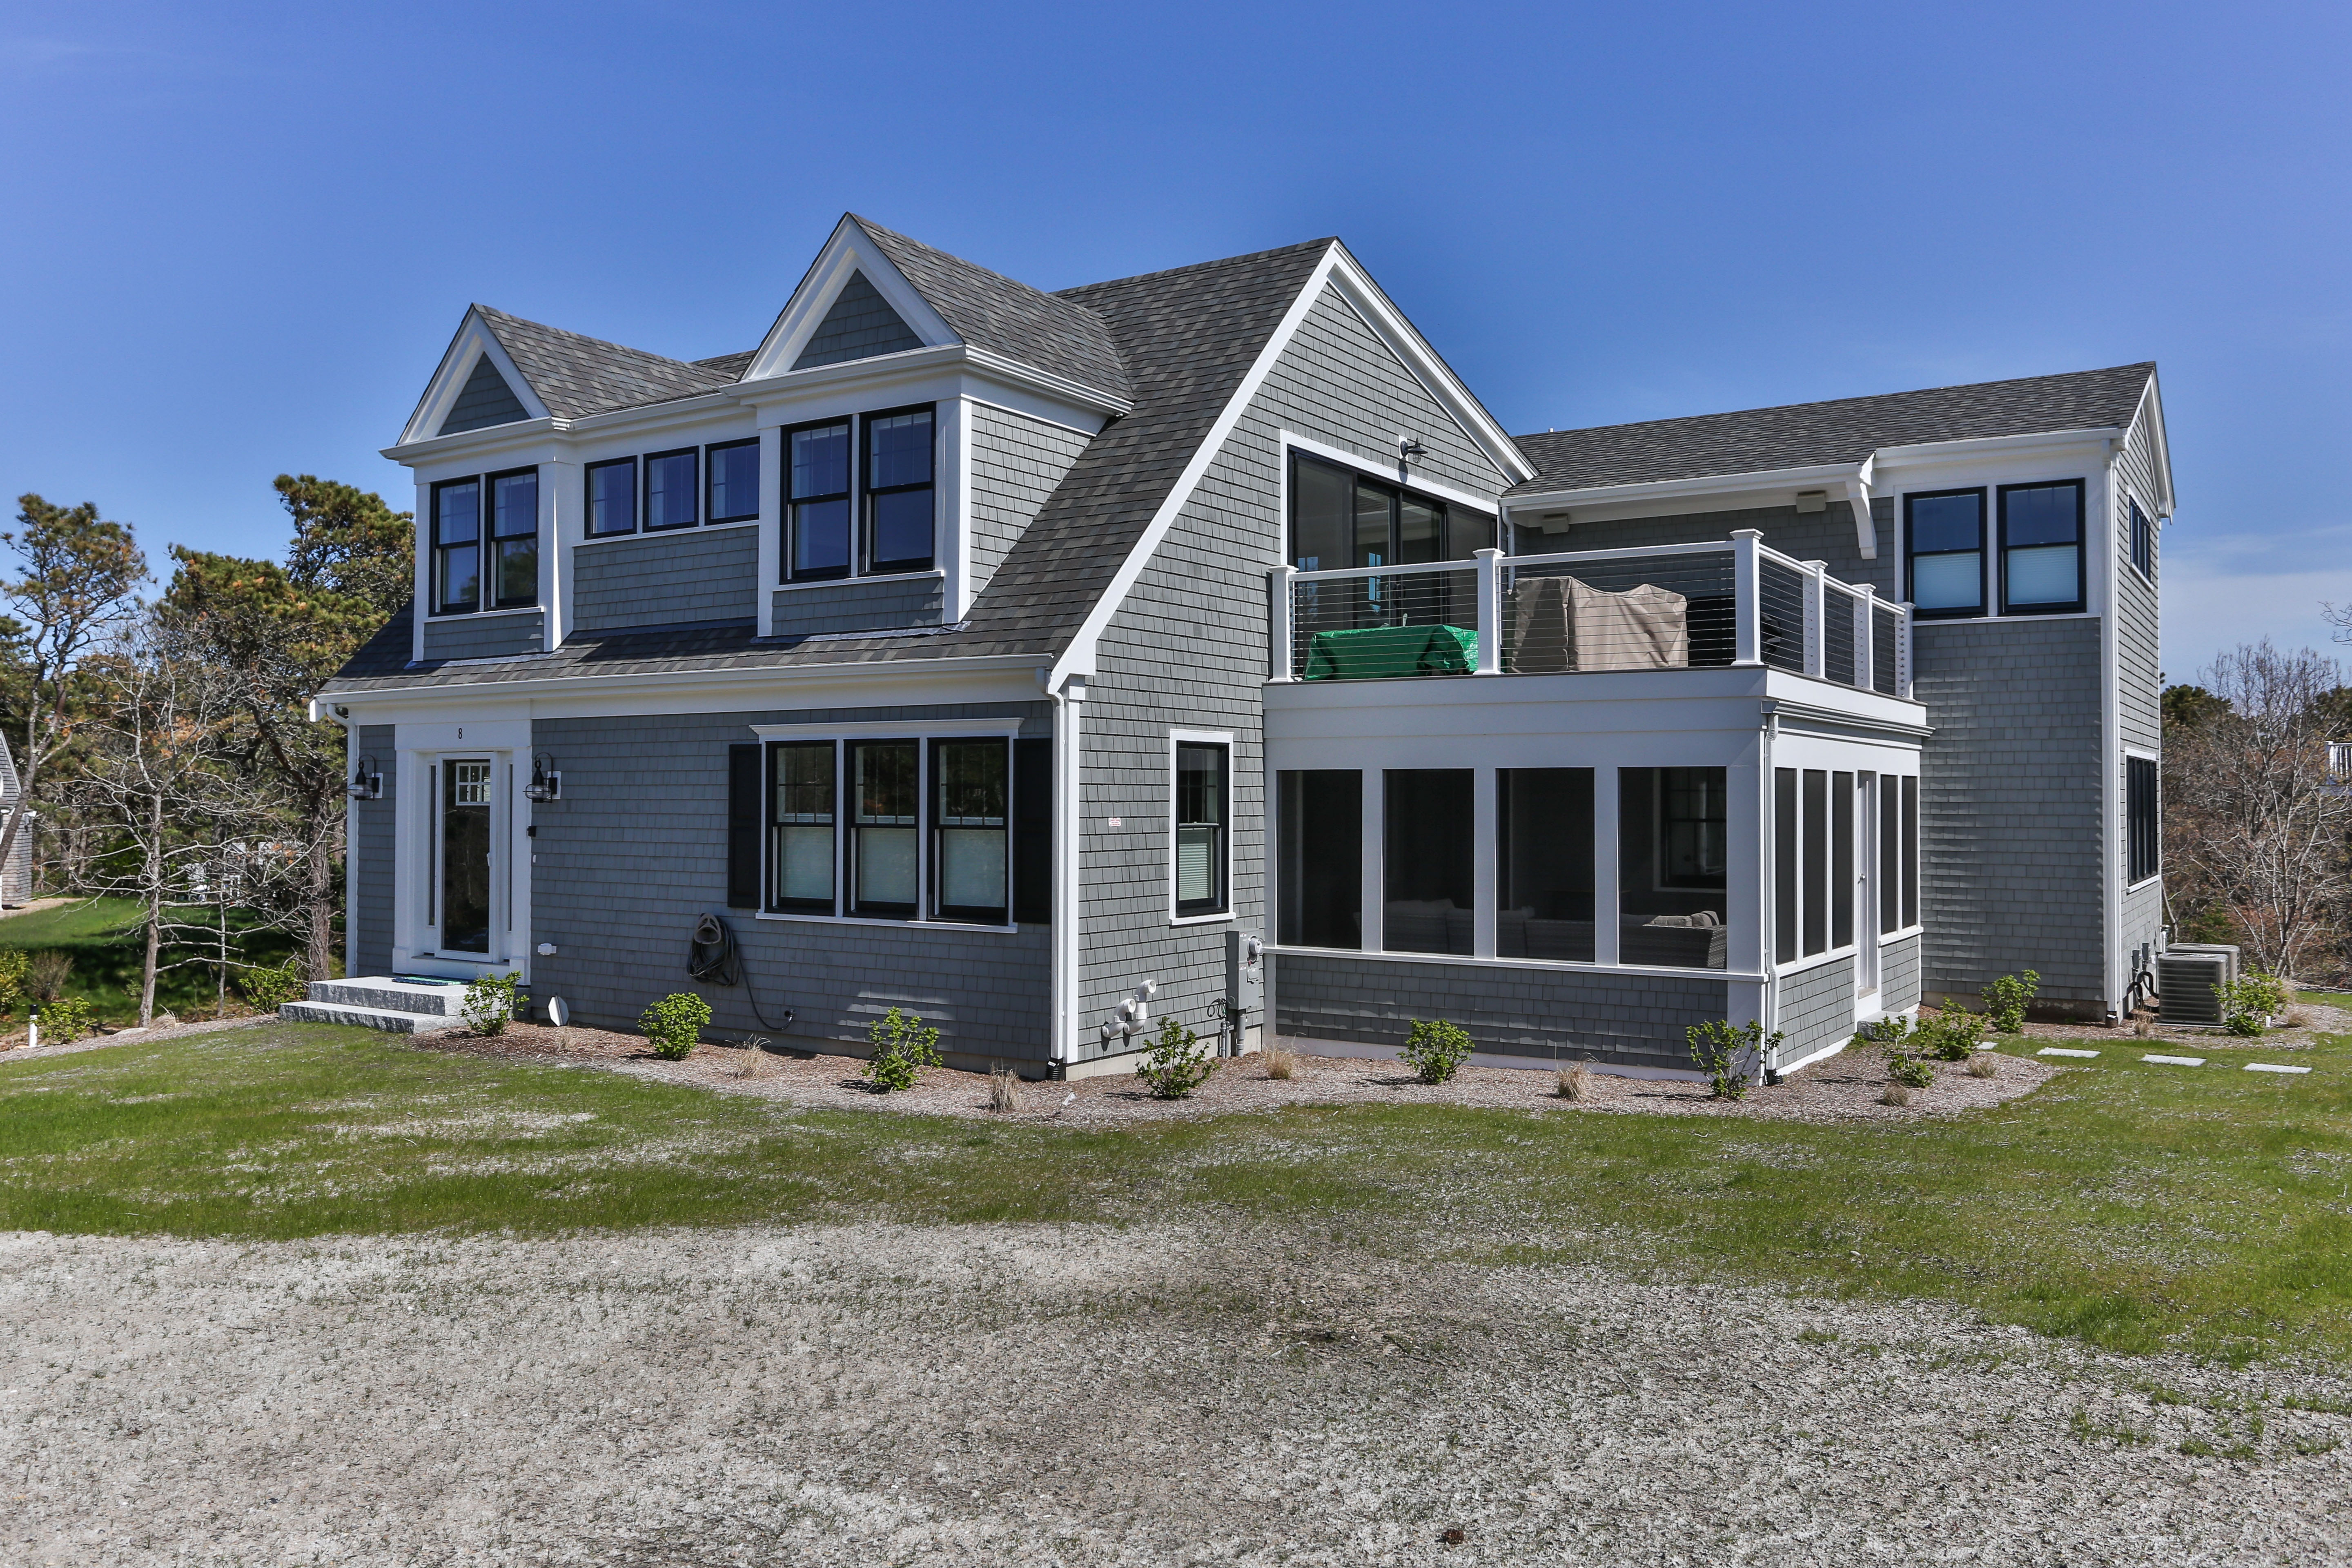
[[803, 776], [672, 489], [818, 476], [1428, 869], [1421, 530], [885, 845], [1375, 519], [1543, 864], [1202, 810], [613, 497], [734, 481], [466, 857], [1321, 858], [1841, 883], [1322, 499], [969, 781], [1673, 826], [514, 533]]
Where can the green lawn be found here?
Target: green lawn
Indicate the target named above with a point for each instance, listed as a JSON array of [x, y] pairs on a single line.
[[2136, 1206], [109, 945]]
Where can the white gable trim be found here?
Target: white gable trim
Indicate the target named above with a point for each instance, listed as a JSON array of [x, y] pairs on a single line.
[[850, 249], [474, 340], [2151, 414]]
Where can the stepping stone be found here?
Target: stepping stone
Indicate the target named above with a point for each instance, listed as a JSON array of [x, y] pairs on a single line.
[[2062, 1052], [2176, 1061], [1988, 1045], [2272, 1066]]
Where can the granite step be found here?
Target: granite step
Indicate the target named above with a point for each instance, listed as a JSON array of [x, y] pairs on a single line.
[[385, 994], [390, 1020]]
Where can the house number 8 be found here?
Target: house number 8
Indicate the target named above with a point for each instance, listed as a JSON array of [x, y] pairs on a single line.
[[461, 732]]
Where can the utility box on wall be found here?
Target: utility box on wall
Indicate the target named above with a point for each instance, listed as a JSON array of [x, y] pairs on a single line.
[[1244, 972]]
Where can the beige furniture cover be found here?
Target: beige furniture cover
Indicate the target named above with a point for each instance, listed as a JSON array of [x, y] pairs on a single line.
[[1556, 624]]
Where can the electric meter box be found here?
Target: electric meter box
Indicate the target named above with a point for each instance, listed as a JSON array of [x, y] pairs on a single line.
[[1244, 972]]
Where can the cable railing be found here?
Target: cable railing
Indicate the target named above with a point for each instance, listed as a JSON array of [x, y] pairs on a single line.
[[1677, 606]]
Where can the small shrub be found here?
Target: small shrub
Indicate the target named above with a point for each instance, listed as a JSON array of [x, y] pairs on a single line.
[[1575, 1082], [673, 1024], [1176, 1065], [1951, 1035], [1887, 1031], [270, 986], [1436, 1049], [1983, 1065], [2005, 1001], [1279, 1061], [489, 1004], [2248, 1001], [46, 975], [903, 1048], [1909, 1072], [67, 1019], [1004, 1089], [1896, 1094], [1731, 1058]]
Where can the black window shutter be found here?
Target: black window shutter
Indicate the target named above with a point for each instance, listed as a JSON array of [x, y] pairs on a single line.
[[743, 828], [1033, 832]]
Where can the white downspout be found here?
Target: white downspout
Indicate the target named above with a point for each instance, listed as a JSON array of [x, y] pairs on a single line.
[[1067, 702]]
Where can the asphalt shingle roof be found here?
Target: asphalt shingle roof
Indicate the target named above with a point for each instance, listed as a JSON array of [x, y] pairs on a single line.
[[574, 376], [1847, 430], [1189, 335]]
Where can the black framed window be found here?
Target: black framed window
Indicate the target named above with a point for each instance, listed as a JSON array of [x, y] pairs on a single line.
[[1694, 831], [612, 498], [456, 547], [1428, 870], [2141, 808], [673, 489], [898, 505], [1543, 864], [1321, 858], [885, 840], [1203, 807], [2042, 549], [514, 537], [732, 474], [1842, 884], [801, 825], [2143, 541], [970, 807], [1340, 519], [1944, 551], [816, 480]]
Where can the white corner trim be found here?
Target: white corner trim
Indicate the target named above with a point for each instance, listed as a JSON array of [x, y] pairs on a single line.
[[891, 728], [474, 340], [1384, 470]]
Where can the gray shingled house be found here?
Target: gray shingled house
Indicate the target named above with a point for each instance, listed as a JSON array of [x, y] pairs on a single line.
[[1195, 643]]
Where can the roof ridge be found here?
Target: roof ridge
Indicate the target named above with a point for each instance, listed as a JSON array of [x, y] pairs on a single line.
[[489, 311], [877, 230], [1328, 239]]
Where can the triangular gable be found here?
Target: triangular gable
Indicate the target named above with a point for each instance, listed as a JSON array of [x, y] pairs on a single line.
[[486, 400], [459, 376], [849, 256], [860, 325]]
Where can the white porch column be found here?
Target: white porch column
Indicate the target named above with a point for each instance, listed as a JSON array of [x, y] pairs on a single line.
[[1282, 584], [1814, 623], [1484, 876], [1865, 631], [1748, 638], [1605, 797], [1490, 612], [1375, 911]]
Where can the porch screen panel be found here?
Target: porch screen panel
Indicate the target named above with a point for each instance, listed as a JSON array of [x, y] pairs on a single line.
[[1321, 858], [1428, 870], [1910, 851], [1890, 855], [1543, 864], [1817, 861], [1672, 859], [1841, 883], [1786, 844]]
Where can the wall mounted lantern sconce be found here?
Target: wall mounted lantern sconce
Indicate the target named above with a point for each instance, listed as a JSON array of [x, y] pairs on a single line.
[[546, 784], [367, 783]]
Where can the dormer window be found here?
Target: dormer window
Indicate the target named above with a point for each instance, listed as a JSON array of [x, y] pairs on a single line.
[[866, 508], [898, 491], [734, 481], [817, 464], [672, 489], [2041, 549], [456, 547], [514, 537], [471, 572], [612, 498]]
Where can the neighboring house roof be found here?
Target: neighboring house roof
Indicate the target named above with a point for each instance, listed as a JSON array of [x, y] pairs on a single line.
[[1190, 336], [1846, 431], [9, 787], [574, 376], [1052, 332]]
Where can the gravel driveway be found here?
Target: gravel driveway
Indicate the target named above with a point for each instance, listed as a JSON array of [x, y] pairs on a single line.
[[1047, 1395]]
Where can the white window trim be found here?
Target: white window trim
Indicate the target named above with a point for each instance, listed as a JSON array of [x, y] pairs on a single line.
[[2145, 756], [1201, 738], [891, 729], [440, 615], [682, 531], [1383, 469], [846, 582]]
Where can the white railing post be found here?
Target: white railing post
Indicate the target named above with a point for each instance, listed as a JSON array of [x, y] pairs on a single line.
[[1814, 623], [1747, 638], [1865, 630], [1902, 655], [1490, 611], [1279, 583]]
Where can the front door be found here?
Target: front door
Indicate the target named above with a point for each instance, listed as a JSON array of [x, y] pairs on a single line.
[[1864, 891], [465, 848]]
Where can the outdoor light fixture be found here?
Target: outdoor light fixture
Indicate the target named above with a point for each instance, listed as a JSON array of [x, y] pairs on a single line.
[[1409, 449], [546, 784], [366, 783]]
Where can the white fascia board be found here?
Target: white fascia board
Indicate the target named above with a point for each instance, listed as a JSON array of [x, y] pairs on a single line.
[[2151, 412], [867, 380], [474, 340], [847, 250], [1812, 477], [985, 678], [1984, 446], [891, 728], [1389, 324]]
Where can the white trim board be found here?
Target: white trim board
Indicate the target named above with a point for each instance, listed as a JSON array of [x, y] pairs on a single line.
[[1384, 471], [473, 342], [891, 728]]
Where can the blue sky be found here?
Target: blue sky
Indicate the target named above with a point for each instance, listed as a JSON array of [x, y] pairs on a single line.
[[242, 234]]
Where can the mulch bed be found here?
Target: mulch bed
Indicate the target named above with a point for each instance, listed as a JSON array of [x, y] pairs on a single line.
[[1844, 1087]]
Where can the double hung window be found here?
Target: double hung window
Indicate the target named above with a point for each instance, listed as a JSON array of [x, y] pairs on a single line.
[[733, 471], [456, 547], [898, 505], [613, 497], [514, 537], [817, 465], [672, 490], [2041, 549], [802, 828], [2143, 543], [1945, 548], [1204, 806], [970, 813], [885, 848]]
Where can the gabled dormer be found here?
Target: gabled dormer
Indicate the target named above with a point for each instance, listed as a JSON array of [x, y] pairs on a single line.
[[477, 384]]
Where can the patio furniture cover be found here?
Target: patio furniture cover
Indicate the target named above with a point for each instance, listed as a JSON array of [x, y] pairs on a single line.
[[1368, 652], [1556, 624]]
